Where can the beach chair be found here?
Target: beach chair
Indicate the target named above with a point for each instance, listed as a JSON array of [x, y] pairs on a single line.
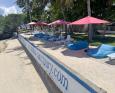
[[78, 45], [39, 35], [102, 51], [111, 56]]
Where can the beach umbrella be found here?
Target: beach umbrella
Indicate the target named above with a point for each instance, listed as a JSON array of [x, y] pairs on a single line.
[[88, 20], [41, 24], [32, 23], [59, 22]]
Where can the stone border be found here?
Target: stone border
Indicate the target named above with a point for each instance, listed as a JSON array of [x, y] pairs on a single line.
[[66, 80]]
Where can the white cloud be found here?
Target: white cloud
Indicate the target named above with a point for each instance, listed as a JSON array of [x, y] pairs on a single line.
[[11, 10]]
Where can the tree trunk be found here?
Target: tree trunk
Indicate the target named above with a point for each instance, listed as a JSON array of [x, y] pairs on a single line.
[[90, 34], [88, 8], [28, 10]]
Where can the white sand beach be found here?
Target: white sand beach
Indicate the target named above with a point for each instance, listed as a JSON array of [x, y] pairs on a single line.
[[3, 45], [99, 71], [17, 74]]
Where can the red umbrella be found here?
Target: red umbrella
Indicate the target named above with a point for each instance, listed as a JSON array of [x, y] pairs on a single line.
[[41, 24], [88, 20], [59, 22], [32, 23]]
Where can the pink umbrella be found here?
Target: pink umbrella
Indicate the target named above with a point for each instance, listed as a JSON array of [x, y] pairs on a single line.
[[41, 24], [88, 20], [32, 23], [59, 22]]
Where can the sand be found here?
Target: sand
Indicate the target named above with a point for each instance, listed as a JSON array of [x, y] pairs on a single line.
[[99, 71], [3, 45], [17, 74]]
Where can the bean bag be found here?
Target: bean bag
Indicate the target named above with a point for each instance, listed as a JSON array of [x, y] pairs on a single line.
[[39, 35], [101, 51], [78, 45]]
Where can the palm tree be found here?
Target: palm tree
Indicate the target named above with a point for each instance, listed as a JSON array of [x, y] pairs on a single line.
[[88, 8], [63, 4], [90, 33], [25, 4]]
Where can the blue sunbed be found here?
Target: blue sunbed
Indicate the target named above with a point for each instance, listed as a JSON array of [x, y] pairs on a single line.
[[78, 45], [102, 51]]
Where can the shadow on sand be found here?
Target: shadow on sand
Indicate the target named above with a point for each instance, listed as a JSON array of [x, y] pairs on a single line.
[[74, 53], [19, 48], [111, 62], [47, 44], [32, 38], [53, 45]]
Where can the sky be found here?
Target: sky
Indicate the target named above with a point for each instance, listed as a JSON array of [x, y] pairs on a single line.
[[8, 7]]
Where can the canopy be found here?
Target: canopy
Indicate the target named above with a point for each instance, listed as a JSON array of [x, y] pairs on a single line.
[[59, 22], [41, 23], [88, 20], [32, 23]]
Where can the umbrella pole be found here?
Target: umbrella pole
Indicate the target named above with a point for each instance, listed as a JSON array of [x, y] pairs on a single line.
[[90, 33]]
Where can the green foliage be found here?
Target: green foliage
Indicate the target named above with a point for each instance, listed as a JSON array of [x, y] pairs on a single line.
[[9, 24], [66, 9], [98, 40], [1, 24]]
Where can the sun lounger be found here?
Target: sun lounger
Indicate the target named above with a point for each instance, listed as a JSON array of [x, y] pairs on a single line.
[[78, 45], [39, 35], [111, 56], [101, 51]]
